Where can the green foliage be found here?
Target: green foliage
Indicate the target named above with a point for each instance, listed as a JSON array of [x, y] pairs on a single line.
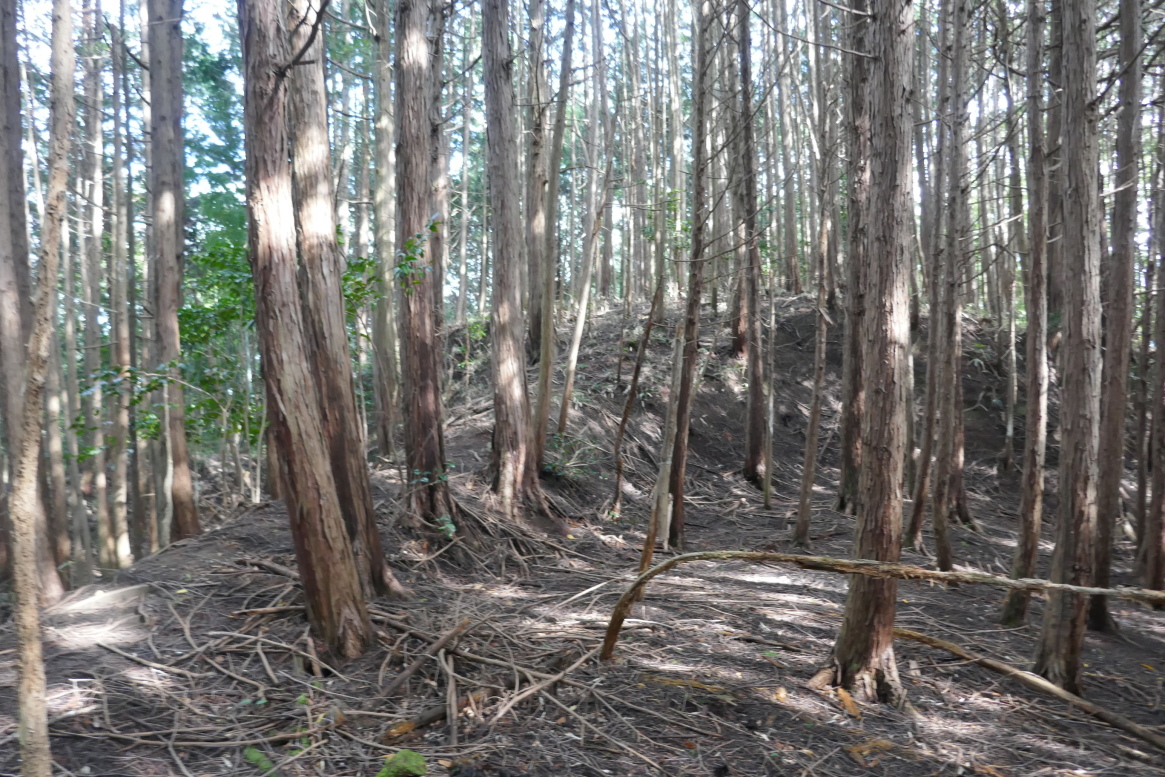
[[259, 760], [446, 526], [568, 456], [410, 267], [361, 285], [404, 763]]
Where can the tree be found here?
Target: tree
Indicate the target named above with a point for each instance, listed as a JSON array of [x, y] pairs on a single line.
[[863, 656], [320, 271], [1032, 490], [169, 202], [513, 464], [16, 308], [746, 206], [537, 176], [550, 255], [852, 373], [415, 269], [24, 500], [1118, 309], [683, 414], [1061, 640], [331, 584]]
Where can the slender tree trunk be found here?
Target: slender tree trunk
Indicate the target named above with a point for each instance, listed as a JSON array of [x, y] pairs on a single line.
[[632, 390], [863, 657], [331, 584], [537, 177], [1118, 317], [695, 272], [747, 205], [321, 266], [23, 502], [550, 255], [515, 471], [466, 209], [16, 324], [1057, 656], [853, 372], [384, 323], [118, 277], [933, 257], [169, 216], [1036, 429], [420, 345]]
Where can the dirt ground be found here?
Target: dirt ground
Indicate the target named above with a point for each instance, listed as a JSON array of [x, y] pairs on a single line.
[[197, 660]]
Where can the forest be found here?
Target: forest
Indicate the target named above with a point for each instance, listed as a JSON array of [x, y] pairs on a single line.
[[582, 387]]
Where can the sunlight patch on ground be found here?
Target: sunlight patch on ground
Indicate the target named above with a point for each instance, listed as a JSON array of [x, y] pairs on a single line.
[[84, 636]]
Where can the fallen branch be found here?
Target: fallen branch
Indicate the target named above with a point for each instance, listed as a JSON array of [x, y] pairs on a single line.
[[430, 715], [430, 651], [877, 569], [1035, 682], [152, 664]]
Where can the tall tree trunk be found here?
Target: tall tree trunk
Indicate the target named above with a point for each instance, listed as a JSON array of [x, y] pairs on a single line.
[[169, 218], [331, 584], [321, 266], [853, 372], [384, 323], [118, 279], [1118, 314], [747, 206], [1058, 654], [1036, 430], [23, 503], [91, 282], [933, 257], [420, 345], [515, 471], [695, 271], [537, 177], [956, 263], [17, 319], [550, 255], [863, 657]]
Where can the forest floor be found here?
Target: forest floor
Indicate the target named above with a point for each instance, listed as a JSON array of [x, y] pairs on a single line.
[[197, 661]]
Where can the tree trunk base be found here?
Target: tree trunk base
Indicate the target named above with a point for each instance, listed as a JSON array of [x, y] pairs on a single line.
[[876, 682]]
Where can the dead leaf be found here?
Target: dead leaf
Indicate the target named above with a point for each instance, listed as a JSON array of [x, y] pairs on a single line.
[[989, 770], [781, 695], [848, 704], [688, 683], [859, 752]]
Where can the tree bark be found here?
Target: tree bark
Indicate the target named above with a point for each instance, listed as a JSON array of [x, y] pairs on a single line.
[[1036, 424], [321, 266], [384, 337], [1118, 313], [695, 271], [853, 372], [24, 499], [331, 584], [747, 205], [863, 657], [169, 218], [550, 255], [416, 269], [1057, 655], [537, 177], [513, 464], [16, 310]]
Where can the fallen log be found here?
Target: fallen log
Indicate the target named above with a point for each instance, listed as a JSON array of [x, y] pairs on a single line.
[[878, 569], [1035, 682]]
